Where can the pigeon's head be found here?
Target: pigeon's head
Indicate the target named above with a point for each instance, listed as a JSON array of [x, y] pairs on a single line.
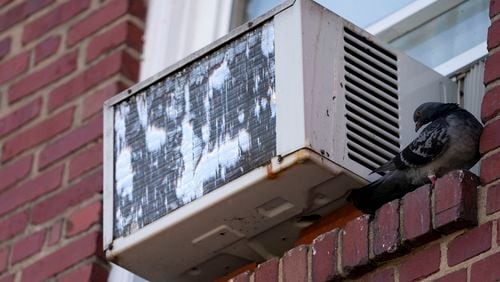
[[428, 112]]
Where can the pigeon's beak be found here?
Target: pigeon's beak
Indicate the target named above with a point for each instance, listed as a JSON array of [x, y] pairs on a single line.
[[418, 125]]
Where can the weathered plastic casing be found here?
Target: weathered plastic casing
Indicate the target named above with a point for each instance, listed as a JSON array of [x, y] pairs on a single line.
[[337, 102]]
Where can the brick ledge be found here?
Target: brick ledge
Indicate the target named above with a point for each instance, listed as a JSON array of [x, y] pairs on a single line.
[[397, 227]]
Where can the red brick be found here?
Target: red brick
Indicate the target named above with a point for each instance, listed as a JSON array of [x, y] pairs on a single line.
[[489, 169], [355, 245], [385, 227], [107, 67], [135, 37], [492, 68], [47, 48], [456, 276], [493, 199], [13, 225], [5, 47], [67, 198], [14, 67], [138, 9], [494, 8], [31, 190], [4, 3], [325, 256], [491, 104], [486, 270], [267, 271], [477, 240], [242, 277], [295, 264], [123, 33], [54, 233], [87, 272], [20, 12], [97, 20], [420, 264], [20, 117], [71, 254], [490, 138], [38, 133], [498, 232], [93, 103], [8, 278], [4, 257], [14, 172], [84, 218], [28, 246], [130, 68], [85, 161], [494, 35], [71, 141], [385, 275], [59, 15], [455, 197], [417, 223], [43, 77]]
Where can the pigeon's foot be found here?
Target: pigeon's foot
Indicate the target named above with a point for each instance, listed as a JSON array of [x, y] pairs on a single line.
[[433, 179]]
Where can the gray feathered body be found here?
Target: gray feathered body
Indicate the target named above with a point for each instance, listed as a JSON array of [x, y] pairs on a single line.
[[449, 142]]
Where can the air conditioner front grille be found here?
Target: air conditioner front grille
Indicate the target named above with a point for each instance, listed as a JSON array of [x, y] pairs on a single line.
[[372, 104]]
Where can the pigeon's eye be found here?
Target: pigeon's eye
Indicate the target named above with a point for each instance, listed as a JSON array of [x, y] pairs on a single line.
[[418, 114]]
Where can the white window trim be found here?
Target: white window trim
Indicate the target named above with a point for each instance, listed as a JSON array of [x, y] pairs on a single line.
[[175, 29], [410, 17], [466, 58], [416, 14]]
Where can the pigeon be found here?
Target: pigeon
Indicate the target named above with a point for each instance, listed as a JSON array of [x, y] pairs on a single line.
[[450, 141]]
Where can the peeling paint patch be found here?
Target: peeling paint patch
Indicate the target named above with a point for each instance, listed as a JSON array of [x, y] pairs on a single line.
[[120, 129], [195, 130], [267, 43], [218, 78], [124, 173], [155, 138]]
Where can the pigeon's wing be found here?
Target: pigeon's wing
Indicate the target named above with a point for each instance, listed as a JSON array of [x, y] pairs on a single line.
[[388, 166], [429, 145]]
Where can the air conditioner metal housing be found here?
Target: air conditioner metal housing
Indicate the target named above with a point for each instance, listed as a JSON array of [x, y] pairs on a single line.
[[284, 115]]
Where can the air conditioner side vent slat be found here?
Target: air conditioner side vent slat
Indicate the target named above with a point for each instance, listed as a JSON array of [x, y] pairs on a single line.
[[372, 101], [372, 71], [371, 44], [369, 82], [380, 67], [371, 52], [365, 104]]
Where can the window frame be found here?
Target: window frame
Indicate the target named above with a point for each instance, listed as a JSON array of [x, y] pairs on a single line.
[[416, 14]]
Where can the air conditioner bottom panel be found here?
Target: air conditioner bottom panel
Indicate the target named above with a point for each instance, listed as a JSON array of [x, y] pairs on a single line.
[[250, 219]]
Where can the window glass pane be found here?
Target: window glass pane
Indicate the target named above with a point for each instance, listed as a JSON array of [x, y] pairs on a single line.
[[371, 12], [256, 8], [364, 12], [448, 35]]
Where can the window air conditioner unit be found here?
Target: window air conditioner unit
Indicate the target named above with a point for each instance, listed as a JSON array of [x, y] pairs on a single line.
[[209, 164]]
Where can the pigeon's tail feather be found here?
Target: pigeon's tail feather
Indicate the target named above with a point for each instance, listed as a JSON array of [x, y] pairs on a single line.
[[389, 187], [362, 197], [388, 166]]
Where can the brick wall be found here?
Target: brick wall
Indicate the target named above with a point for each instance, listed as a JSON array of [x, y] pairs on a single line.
[[59, 60], [447, 233]]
